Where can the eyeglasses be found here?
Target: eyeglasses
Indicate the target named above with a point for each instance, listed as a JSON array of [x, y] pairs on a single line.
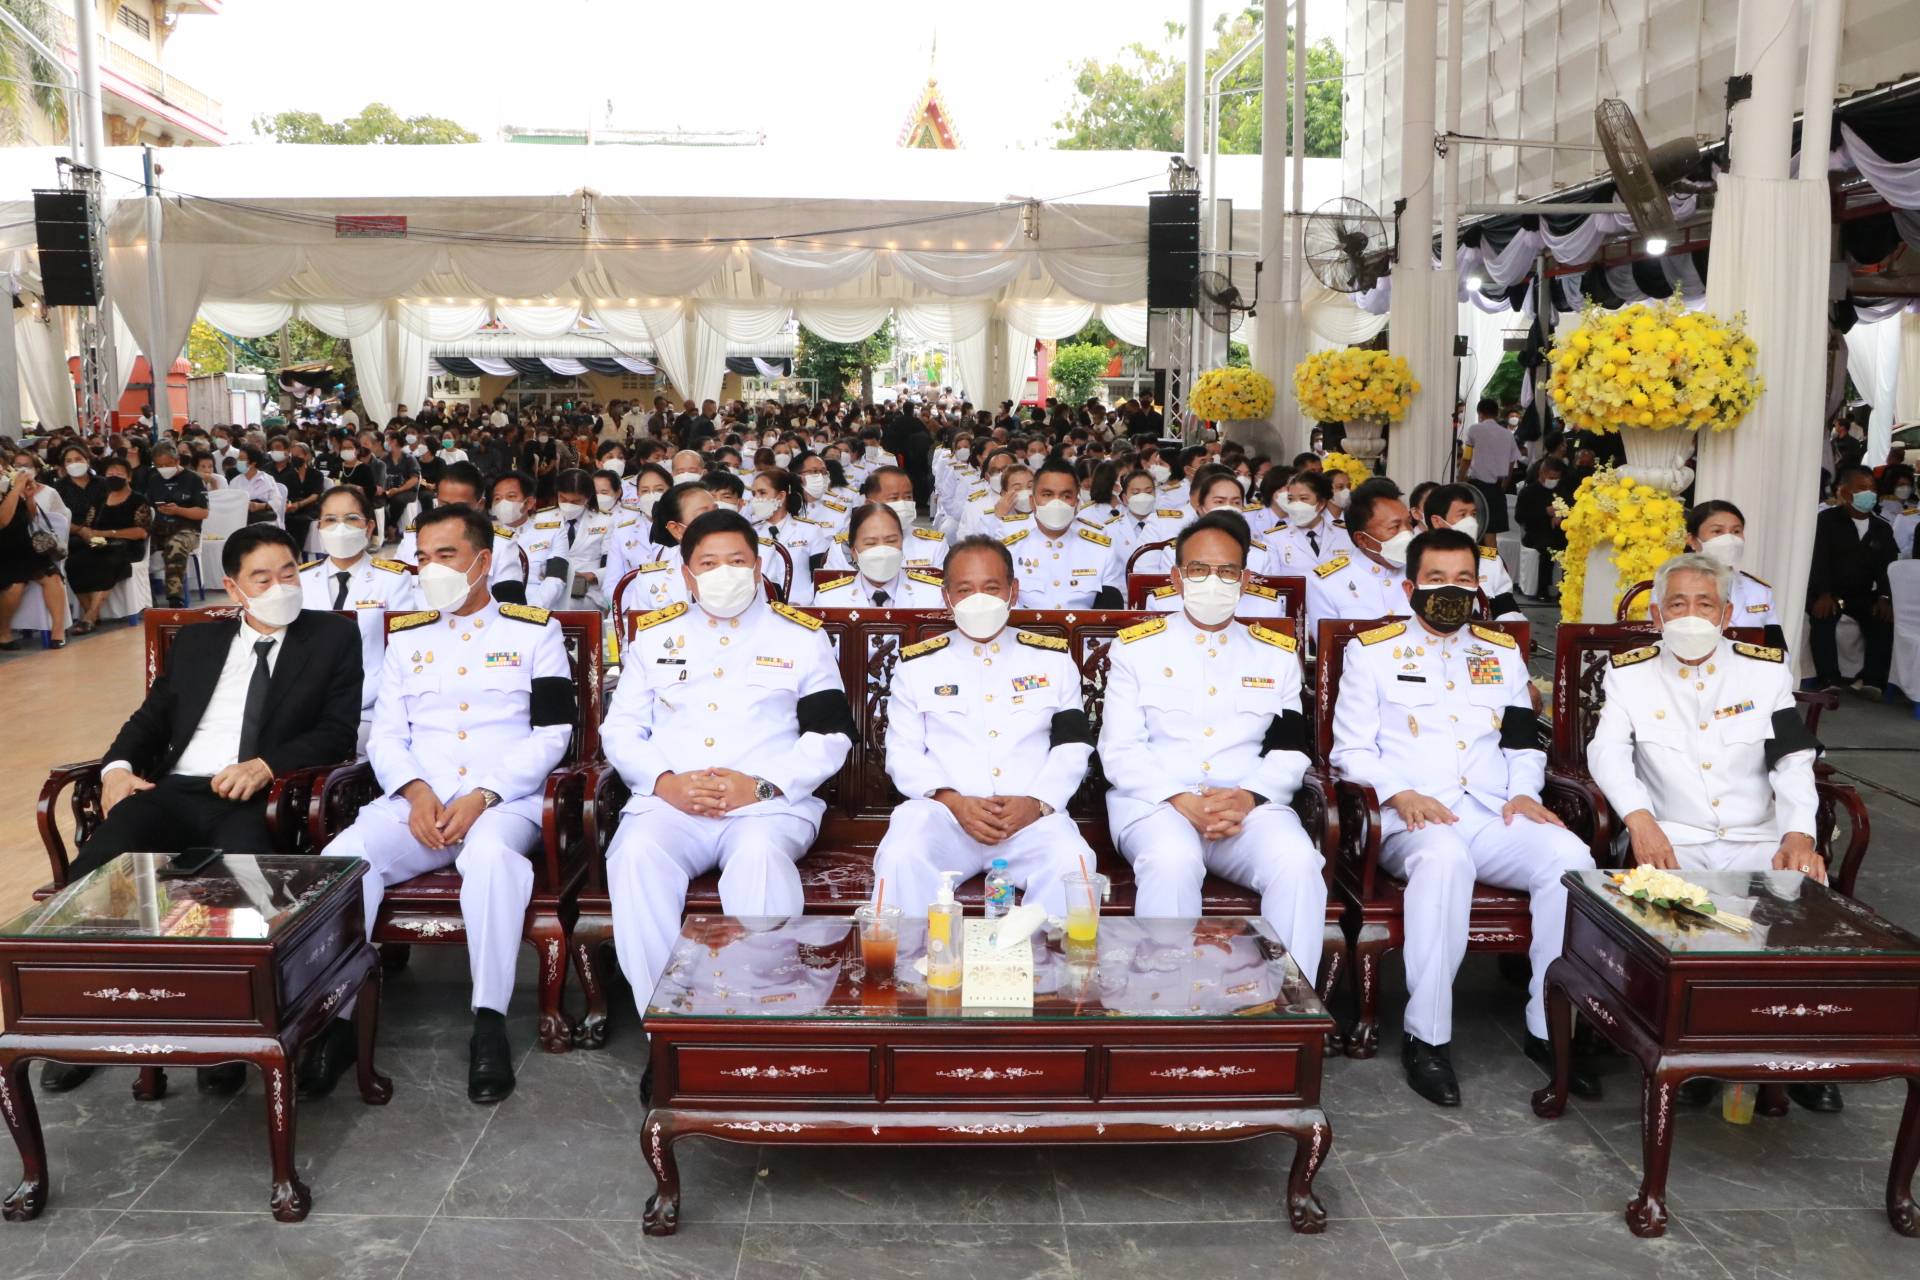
[[1228, 573], [357, 520]]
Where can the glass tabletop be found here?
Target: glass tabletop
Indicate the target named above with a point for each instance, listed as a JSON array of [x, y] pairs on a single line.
[[809, 967], [1791, 914], [237, 898]]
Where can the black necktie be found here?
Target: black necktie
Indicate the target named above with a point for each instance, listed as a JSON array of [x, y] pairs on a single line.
[[1313, 540], [344, 577], [256, 710], [879, 597]]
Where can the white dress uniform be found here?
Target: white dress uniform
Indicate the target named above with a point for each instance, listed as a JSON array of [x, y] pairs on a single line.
[[760, 693], [1752, 602], [627, 546], [922, 549], [1353, 585], [1186, 709], [1716, 751], [1130, 532], [1451, 717], [1260, 519], [371, 588], [506, 556], [802, 538], [587, 546], [466, 703], [910, 589], [1256, 601], [1064, 570], [1497, 584], [1002, 717], [830, 513], [543, 536], [1294, 551]]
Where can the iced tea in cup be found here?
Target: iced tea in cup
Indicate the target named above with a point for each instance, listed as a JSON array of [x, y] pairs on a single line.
[[879, 940], [1085, 893]]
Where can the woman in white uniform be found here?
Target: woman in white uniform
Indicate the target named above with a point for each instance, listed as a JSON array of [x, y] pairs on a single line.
[[1717, 528], [1308, 536], [877, 540]]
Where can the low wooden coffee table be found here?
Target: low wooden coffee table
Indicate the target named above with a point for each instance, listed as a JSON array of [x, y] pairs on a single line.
[[769, 1031], [133, 964], [1822, 989]]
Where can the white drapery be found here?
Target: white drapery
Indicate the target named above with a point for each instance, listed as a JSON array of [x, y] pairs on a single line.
[[42, 346], [1486, 339], [1907, 398], [1873, 362], [390, 363]]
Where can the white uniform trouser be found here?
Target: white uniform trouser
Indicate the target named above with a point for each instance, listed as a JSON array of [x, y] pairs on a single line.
[[658, 850], [1440, 864], [924, 839], [496, 882], [1271, 855], [1727, 855]]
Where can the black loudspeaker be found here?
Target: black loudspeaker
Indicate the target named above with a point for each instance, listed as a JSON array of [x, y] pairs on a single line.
[[69, 265], [1173, 249]]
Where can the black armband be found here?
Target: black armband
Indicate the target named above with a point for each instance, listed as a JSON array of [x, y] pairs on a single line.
[[1285, 732], [1501, 605], [551, 702], [1520, 729], [510, 591], [1790, 734], [826, 712], [817, 562], [1108, 598], [556, 567], [1773, 637], [1070, 727]]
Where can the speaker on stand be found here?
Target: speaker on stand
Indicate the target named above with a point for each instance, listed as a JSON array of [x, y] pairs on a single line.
[[69, 258]]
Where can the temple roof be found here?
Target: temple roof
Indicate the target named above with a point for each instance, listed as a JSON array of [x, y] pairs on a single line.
[[928, 124]]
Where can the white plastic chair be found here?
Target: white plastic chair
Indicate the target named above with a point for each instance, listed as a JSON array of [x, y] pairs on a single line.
[[133, 595], [1904, 576], [279, 504], [1512, 554], [226, 512]]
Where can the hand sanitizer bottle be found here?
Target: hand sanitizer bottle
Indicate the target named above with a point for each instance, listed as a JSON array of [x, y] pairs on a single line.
[[945, 935]]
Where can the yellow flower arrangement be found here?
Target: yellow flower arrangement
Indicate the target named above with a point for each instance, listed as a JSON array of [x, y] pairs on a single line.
[[1647, 527], [1357, 471], [1351, 382], [1221, 395], [1654, 365]]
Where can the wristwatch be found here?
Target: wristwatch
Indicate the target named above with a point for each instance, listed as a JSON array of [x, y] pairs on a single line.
[[491, 797], [764, 790]]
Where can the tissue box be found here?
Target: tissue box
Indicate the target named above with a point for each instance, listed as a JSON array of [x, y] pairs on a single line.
[[991, 978]]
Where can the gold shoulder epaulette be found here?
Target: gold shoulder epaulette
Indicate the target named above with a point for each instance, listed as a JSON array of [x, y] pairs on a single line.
[[1168, 513], [1378, 634], [1169, 486], [501, 531], [658, 616], [546, 524], [1141, 630], [976, 495], [931, 579], [1098, 539], [526, 613], [1257, 589], [835, 585], [408, 621], [827, 502], [931, 535], [924, 648], [1762, 581], [1012, 538], [1330, 568], [1255, 542], [311, 564], [1278, 639], [1630, 656], [1250, 507], [795, 616], [1761, 652], [1034, 640], [1488, 553], [1161, 593], [1494, 635], [656, 566], [391, 566]]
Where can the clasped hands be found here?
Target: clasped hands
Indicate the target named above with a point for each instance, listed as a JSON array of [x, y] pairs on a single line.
[[1215, 812], [707, 793], [436, 825], [990, 819]]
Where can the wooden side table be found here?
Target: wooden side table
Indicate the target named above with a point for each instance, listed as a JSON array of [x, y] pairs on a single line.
[[135, 964], [1822, 989]]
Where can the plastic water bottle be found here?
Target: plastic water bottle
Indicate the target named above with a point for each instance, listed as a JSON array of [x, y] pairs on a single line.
[[999, 899]]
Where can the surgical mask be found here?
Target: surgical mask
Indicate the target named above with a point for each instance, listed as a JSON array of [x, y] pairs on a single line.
[[349, 455], [1210, 601], [1035, 459], [1140, 504], [905, 509], [727, 503], [1469, 525], [981, 616], [646, 502], [1302, 514], [1727, 548], [507, 511], [874, 453], [343, 541], [78, 469], [1023, 501], [1445, 609], [962, 454], [276, 456], [411, 437], [443, 587], [879, 563], [275, 607], [606, 501], [1513, 419], [1689, 637], [1055, 514], [1394, 549], [725, 591], [420, 451], [1903, 491], [685, 477], [616, 465], [1341, 497], [782, 459], [1246, 483], [1865, 500], [815, 483], [166, 473], [447, 444], [762, 509], [1160, 472], [572, 510], [997, 483]]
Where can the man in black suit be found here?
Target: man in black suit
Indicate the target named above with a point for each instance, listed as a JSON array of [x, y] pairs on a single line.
[[240, 703], [1852, 550]]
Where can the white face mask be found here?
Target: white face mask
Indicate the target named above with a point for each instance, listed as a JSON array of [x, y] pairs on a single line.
[[78, 469], [275, 607], [763, 509], [167, 473], [1394, 549], [410, 437], [906, 511], [981, 616], [1246, 483], [1055, 514], [1903, 491], [1023, 501], [606, 501], [349, 456], [1160, 472], [1341, 497], [1210, 602], [997, 484], [507, 511], [726, 590], [1302, 514], [572, 510], [815, 483], [782, 459], [343, 541], [276, 456], [962, 454], [1728, 549], [880, 563], [616, 465], [1689, 637], [874, 453], [443, 587], [1140, 504], [1035, 459], [685, 477], [646, 502], [1469, 525]]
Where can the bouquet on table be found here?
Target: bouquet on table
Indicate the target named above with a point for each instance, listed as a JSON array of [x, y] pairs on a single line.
[[1664, 889]]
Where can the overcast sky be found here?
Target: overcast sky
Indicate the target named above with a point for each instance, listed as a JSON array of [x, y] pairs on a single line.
[[822, 73]]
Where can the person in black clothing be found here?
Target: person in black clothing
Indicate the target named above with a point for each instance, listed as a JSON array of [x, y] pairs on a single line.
[[1533, 512], [305, 484], [1852, 548], [695, 426], [76, 484]]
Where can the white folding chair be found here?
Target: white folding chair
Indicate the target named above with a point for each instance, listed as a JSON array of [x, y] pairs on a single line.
[[226, 512], [133, 595], [279, 504], [1904, 577]]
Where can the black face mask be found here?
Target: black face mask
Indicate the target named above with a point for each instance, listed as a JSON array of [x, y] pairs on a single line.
[[114, 484], [1445, 609]]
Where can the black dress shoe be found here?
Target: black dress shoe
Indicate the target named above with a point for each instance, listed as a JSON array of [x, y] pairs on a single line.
[[326, 1056], [222, 1081], [489, 1065], [1580, 1077], [1697, 1092], [59, 1077], [1823, 1098], [1430, 1071]]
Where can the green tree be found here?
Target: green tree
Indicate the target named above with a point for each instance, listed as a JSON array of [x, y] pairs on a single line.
[[1136, 100], [206, 349], [836, 366], [28, 81], [1504, 386], [377, 124], [1077, 369]]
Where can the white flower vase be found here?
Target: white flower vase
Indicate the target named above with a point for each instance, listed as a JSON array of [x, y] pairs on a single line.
[[1366, 440], [1658, 458]]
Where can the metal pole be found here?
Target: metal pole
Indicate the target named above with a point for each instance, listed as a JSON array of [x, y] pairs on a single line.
[[1450, 215], [1823, 65], [96, 330], [1214, 82], [1196, 72], [91, 107], [160, 364], [1296, 257]]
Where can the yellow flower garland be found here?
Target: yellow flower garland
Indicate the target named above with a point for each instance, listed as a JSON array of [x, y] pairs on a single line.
[[1647, 527], [1221, 395], [1654, 365], [1357, 471], [1353, 382]]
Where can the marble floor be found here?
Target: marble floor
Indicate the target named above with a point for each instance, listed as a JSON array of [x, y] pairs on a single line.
[[550, 1183]]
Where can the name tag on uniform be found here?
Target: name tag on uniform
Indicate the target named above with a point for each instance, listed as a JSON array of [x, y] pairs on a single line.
[[671, 662], [1734, 710], [1026, 684], [783, 663], [1483, 668], [1411, 679], [1256, 682], [1757, 608], [1081, 573], [503, 659], [946, 691]]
